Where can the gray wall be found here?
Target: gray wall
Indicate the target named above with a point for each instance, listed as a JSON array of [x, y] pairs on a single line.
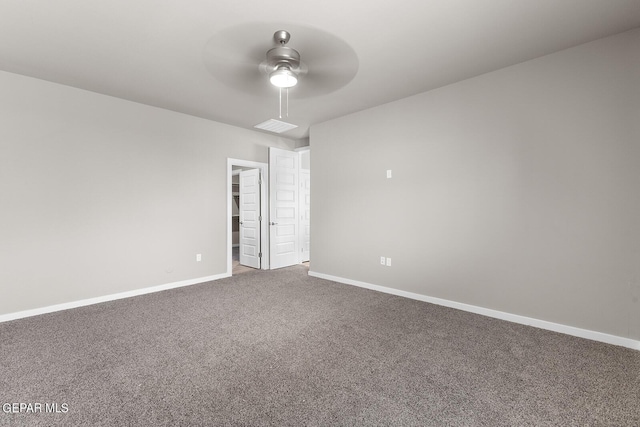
[[517, 191], [100, 195]]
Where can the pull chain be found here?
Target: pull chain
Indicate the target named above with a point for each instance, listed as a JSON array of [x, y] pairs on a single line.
[[287, 102]]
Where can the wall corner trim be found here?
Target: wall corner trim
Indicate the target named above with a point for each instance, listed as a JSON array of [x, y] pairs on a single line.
[[515, 318], [112, 297]]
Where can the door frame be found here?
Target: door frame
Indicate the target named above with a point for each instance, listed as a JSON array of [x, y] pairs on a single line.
[[301, 215], [264, 212], [301, 151]]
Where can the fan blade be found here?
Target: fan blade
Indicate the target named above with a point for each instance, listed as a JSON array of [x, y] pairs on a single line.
[[234, 57]]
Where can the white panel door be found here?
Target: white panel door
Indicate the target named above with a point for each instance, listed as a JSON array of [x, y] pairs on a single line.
[[283, 209], [305, 214], [250, 218]]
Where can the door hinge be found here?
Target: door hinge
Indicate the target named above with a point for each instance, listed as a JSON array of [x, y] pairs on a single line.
[[259, 254], [260, 218]]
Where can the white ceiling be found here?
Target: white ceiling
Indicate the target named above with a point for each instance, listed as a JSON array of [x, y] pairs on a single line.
[[170, 54]]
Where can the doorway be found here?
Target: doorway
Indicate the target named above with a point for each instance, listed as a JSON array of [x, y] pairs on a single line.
[[282, 227]]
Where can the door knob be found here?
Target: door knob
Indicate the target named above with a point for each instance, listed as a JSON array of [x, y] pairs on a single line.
[[274, 223], [241, 222]]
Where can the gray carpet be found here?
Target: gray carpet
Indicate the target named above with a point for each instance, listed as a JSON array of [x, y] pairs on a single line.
[[282, 348]]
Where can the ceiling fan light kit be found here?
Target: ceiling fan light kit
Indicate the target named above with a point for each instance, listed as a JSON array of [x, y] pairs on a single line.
[[283, 77]]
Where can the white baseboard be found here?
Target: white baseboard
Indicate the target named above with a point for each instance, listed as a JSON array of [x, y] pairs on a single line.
[[105, 298], [542, 324]]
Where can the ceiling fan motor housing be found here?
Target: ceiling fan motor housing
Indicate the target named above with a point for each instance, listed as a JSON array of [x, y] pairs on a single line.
[[283, 56]]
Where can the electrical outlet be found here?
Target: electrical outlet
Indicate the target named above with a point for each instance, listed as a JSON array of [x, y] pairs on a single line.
[[382, 260], [388, 262], [198, 257]]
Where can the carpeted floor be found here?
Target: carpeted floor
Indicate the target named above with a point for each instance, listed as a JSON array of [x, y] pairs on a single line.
[[282, 348]]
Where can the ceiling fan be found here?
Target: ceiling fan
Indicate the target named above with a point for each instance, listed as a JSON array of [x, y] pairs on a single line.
[[283, 62], [241, 57]]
